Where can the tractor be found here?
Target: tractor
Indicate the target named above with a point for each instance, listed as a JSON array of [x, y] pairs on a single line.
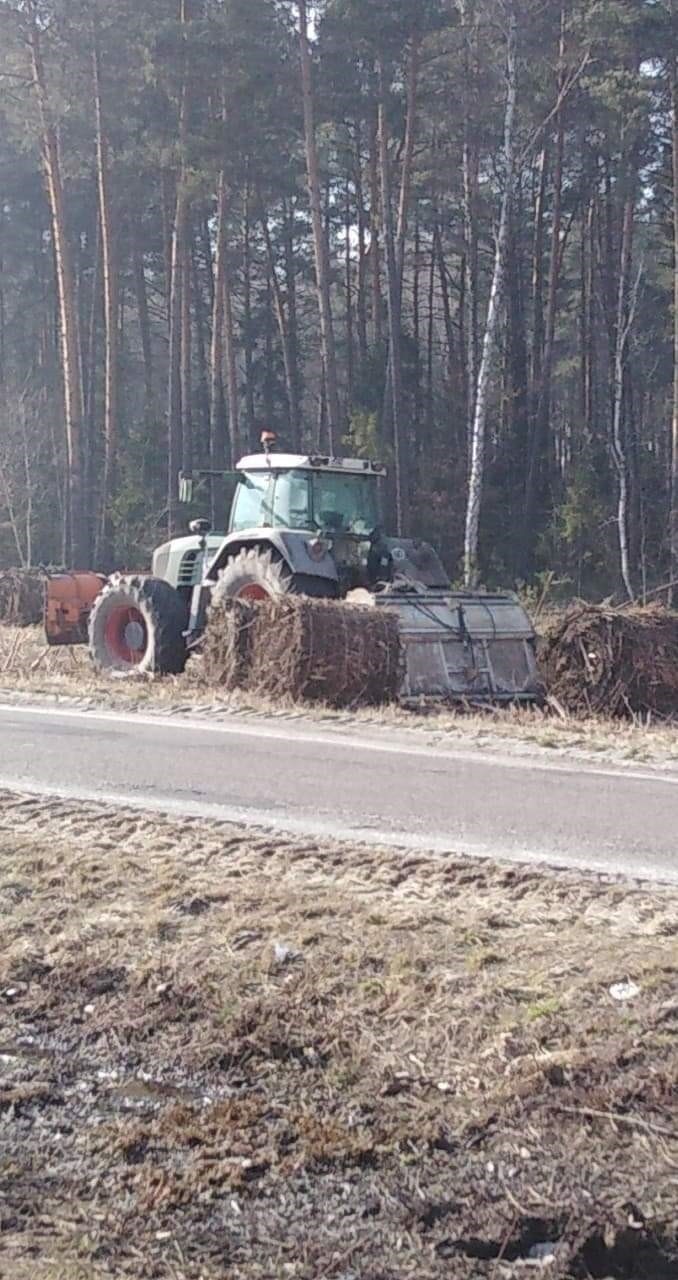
[[304, 525]]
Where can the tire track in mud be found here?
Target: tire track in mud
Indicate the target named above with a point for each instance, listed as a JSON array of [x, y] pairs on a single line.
[[227, 1050]]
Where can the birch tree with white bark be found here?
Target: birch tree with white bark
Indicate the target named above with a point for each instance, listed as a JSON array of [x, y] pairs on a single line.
[[491, 338]]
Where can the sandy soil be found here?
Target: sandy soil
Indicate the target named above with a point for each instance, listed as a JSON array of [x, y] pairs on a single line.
[[31, 671], [229, 1056]]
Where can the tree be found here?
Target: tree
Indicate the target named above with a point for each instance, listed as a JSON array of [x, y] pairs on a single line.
[[673, 82], [75, 539], [476, 477], [175, 175], [109, 236], [393, 293], [322, 264], [178, 407]]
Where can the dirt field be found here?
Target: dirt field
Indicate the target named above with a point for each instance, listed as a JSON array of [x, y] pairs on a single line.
[[227, 1056], [29, 670]]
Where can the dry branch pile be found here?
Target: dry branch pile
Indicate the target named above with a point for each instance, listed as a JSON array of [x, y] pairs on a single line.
[[614, 662], [311, 650], [227, 644], [22, 596]]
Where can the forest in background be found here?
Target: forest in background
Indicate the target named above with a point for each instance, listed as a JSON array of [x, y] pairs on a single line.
[[439, 232]]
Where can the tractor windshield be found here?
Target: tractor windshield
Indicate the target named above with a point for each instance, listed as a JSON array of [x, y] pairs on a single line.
[[272, 500], [326, 501], [252, 507], [345, 503]]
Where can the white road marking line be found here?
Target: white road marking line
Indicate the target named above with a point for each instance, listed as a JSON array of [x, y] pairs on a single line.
[[356, 742], [278, 823]]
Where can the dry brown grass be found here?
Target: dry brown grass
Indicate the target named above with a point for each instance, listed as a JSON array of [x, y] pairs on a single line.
[[29, 669], [425, 1077]]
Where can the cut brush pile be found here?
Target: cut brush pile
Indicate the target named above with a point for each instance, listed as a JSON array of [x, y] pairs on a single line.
[[614, 662], [22, 597], [315, 650]]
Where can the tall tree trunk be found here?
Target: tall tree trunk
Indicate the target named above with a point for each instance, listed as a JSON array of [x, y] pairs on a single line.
[[416, 327], [517, 380], [3, 307], [247, 323], [176, 453], [404, 201], [169, 205], [408, 156], [375, 229], [218, 450], [289, 215], [393, 291], [609, 268], [91, 369], [470, 167], [141, 294], [230, 353], [477, 472], [361, 305], [202, 398], [592, 302], [284, 330], [626, 304], [75, 539], [268, 389], [205, 237], [463, 345], [430, 363], [105, 557], [585, 334], [321, 246], [187, 449], [447, 304], [348, 281], [538, 326], [535, 462], [674, 433]]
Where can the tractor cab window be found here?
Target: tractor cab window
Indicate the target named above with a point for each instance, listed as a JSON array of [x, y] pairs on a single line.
[[292, 501], [345, 503], [252, 507]]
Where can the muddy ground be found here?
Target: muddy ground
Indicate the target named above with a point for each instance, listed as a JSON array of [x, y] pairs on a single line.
[[233, 1056]]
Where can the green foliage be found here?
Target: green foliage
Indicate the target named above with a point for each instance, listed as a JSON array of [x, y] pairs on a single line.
[[576, 543], [364, 439]]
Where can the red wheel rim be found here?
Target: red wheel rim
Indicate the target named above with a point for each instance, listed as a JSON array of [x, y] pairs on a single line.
[[253, 592], [126, 635]]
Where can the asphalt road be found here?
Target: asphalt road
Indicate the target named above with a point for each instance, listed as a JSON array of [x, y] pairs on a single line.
[[381, 786]]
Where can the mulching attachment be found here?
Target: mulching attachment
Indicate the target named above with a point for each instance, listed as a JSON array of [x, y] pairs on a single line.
[[22, 597], [310, 650], [614, 662]]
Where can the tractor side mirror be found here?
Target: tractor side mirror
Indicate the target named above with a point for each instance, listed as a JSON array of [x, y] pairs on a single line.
[[186, 488], [200, 527]]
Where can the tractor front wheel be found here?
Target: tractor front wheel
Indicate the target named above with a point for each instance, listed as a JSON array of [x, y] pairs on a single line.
[[259, 575], [137, 627]]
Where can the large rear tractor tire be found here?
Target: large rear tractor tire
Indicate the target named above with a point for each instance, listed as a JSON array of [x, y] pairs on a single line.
[[260, 575], [137, 627]]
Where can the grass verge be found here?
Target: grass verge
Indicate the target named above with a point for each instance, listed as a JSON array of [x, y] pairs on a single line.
[[223, 1054]]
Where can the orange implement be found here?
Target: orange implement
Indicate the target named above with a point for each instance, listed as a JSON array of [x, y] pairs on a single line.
[[68, 604]]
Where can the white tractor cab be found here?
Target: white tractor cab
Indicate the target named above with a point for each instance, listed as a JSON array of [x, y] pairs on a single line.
[[305, 524], [312, 520]]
